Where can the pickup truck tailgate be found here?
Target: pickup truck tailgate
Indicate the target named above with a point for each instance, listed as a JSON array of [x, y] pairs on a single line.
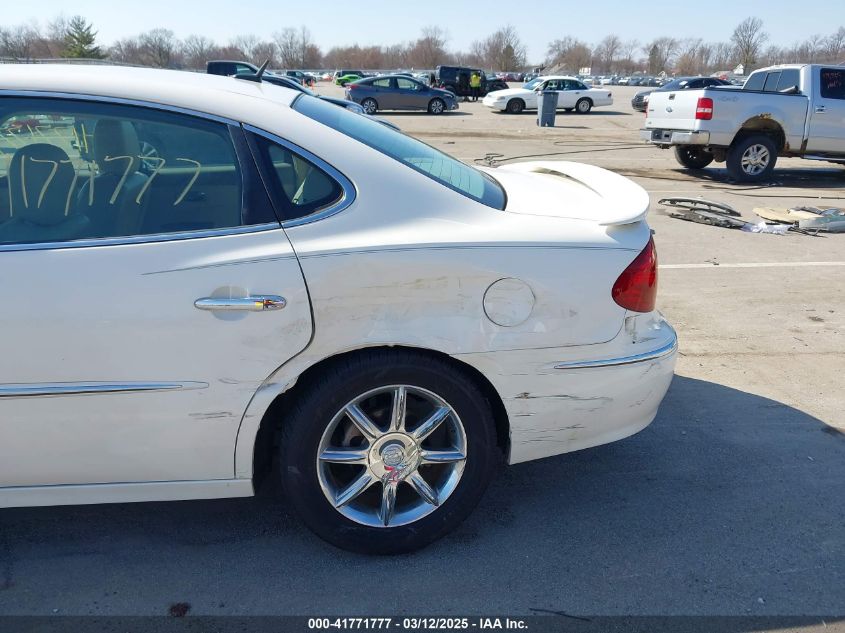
[[673, 110]]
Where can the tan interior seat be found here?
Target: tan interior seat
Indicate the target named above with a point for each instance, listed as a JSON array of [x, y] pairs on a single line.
[[41, 183], [110, 199]]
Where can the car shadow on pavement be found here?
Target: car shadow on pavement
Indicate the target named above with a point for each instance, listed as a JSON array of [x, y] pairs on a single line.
[[729, 503], [799, 178]]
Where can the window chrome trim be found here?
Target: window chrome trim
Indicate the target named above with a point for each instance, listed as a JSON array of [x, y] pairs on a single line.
[[661, 352], [72, 96], [40, 390], [350, 193], [140, 239]]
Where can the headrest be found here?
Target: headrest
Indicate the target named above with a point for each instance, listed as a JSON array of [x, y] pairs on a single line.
[[115, 143], [41, 179]]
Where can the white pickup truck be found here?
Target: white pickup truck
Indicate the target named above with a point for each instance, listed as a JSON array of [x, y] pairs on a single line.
[[790, 110]]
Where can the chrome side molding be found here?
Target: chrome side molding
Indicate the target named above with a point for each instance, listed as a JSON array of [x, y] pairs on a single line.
[[40, 390], [661, 352]]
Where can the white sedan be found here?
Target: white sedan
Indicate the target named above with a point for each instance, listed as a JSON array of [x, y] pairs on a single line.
[[572, 94], [209, 276]]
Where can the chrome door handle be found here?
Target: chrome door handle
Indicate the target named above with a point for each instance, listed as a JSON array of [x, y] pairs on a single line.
[[255, 303], [820, 109]]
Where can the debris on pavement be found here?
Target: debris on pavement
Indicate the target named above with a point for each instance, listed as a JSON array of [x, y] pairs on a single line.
[[703, 212], [762, 227], [829, 219]]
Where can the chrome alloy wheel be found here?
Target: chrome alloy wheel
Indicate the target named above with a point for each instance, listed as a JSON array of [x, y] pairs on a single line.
[[755, 159], [385, 438]]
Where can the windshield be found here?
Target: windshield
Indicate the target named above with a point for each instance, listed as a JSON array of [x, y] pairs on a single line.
[[676, 84], [420, 157], [533, 83]]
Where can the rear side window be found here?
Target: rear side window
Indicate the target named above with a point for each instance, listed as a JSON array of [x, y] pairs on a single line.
[[73, 170], [755, 81], [298, 185], [415, 154], [381, 83], [832, 83], [790, 77], [771, 83]]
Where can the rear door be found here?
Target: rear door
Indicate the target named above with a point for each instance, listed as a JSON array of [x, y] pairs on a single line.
[[410, 94], [827, 114], [384, 92], [154, 291]]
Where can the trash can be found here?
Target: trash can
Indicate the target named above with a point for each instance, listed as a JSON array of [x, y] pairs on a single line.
[[546, 108]]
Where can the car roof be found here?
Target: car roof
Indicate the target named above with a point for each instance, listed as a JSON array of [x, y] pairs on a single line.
[[544, 77], [212, 94]]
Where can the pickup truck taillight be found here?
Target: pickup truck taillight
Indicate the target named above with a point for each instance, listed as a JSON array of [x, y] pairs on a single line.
[[636, 288], [704, 109]]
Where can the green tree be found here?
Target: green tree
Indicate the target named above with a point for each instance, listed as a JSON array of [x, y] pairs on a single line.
[[80, 39]]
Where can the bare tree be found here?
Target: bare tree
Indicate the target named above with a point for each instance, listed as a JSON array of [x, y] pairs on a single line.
[[245, 44], [19, 42], [607, 52], [689, 60], [128, 51], [660, 53], [504, 50], [296, 48], [197, 50], [835, 46], [430, 49], [748, 38], [568, 54], [627, 52]]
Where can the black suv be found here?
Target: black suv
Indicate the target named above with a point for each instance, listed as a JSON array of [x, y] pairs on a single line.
[[455, 79]]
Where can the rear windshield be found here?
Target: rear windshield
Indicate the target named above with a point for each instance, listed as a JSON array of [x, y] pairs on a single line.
[[430, 162]]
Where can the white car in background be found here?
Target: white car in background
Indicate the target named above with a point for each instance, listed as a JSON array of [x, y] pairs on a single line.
[[208, 276], [572, 94]]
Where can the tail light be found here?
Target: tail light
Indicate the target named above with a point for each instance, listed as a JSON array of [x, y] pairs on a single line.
[[636, 288], [704, 109], [352, 86]]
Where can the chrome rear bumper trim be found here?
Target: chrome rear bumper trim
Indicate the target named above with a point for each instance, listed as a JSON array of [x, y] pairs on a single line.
[[661, 352]]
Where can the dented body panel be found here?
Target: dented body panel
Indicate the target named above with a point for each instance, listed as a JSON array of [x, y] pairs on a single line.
[[154, 399]]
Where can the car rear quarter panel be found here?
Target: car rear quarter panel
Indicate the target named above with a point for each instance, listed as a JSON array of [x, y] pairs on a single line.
[[410, 261]]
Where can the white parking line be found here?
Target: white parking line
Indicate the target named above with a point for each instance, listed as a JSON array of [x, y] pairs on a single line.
[[750, 265]]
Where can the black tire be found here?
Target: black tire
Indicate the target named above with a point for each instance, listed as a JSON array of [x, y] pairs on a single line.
[[436, 106], [752, 159], [515, 106], [693, 157], [370, 106], [340, 384], [583, 106]]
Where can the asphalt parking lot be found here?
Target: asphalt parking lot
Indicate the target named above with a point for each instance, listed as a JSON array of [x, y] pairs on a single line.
[[731, 503]]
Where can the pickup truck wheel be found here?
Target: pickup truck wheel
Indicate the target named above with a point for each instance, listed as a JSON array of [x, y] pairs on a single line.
[[693, 157], [387, 451], [752, 159]]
